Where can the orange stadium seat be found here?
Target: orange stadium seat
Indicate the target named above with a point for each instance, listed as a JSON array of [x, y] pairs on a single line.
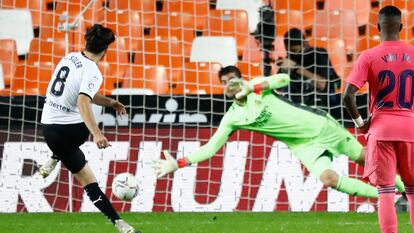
[[336, 51], [250, 70], [286, 20], [147, 9], [36, 8], [199, 9], [164, 51], [30, 79], [46, 51], [297, 5], [202, 78], [110, 78], [228, 23], [407, 21], [159, 79], [176, 25], [116, 62], [126, 24], [94, 14], [336, 24], [361, 7], [252, 51], [8, 59], [406, 5]]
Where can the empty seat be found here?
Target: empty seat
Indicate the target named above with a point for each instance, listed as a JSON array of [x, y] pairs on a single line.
[[336, 24], [71, 9], [147, 9], [298, 5], [202, 78], [250, 6], [252, 51], [286, 20], [110, 78], [8, 59], [405, 34], [228, 23], [361, 7], [337, 53], [46, 51], [214, 49], [164, 51], [30, 80], [36, 7], [250, 70], [199, 9], [126, 24], [17, 25], [174, 24], [158, 80]]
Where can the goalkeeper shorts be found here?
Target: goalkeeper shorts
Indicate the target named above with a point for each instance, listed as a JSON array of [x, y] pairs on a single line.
[[64, 141], [334, 140]]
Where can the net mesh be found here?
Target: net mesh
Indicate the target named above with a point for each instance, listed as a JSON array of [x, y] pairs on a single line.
[[164, 66]]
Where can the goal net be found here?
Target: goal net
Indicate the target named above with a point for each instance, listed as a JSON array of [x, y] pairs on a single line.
[[163, 67]]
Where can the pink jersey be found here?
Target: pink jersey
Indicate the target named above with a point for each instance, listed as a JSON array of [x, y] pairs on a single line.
[[389, 70]]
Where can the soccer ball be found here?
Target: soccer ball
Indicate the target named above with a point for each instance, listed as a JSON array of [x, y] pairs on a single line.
[[125, 186]]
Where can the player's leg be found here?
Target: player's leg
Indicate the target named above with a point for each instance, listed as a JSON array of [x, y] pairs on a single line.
[[405, 161], [64, 141], [398, 182], [49, 166], [382, 170], [322, 168], [76, 163]]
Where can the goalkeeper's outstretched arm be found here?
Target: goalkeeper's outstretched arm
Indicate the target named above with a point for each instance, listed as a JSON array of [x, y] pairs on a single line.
[[258, 85], [205, 152]]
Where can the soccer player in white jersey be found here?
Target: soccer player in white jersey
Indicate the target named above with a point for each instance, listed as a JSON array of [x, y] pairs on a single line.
[[68, 119]]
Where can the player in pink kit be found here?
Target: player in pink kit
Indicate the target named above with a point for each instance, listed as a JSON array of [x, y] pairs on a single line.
[[389, 70]]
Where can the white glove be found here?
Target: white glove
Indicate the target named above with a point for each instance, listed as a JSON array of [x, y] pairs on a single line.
[[165, 166], [246, 89]]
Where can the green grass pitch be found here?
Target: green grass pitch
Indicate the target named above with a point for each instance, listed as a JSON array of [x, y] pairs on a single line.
[[199, 222]]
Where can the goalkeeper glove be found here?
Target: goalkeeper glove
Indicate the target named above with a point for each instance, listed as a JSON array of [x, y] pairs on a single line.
[[245, 88], [168, 165]]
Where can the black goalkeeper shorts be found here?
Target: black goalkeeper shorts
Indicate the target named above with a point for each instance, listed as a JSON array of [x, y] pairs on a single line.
[[64, 141]]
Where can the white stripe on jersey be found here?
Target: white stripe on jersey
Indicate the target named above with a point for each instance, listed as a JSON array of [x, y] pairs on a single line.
[[74, 74]]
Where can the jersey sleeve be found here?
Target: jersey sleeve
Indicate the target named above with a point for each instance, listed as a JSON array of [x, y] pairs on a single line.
[[275, 81], [359, 73], [218, 139], [90, 84]]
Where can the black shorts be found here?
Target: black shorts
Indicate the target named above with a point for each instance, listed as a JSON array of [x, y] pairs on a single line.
[[64, 141]]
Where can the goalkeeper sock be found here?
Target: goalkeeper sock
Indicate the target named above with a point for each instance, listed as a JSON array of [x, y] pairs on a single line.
[[101, 202], [399, 184], [356, 187], [387, 217], [410, 197]]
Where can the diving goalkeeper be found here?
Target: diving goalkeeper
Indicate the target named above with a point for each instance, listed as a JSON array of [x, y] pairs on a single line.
[[313, 136]]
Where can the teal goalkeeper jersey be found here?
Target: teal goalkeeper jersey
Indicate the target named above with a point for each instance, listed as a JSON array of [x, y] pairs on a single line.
[[268, 114]]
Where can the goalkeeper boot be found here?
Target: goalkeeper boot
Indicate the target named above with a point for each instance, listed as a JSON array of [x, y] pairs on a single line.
[[124, 227], [401, 205], [47, 168]]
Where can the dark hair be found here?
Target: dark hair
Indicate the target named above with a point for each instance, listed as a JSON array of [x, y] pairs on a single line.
[[229, 69], [389, 11], [98, 38], [293, 37]]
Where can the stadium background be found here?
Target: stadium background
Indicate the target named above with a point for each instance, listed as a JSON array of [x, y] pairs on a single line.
[[164, 67]]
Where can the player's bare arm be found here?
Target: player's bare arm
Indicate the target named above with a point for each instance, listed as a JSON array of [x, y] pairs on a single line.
[[109, 102], [351, 107], [85, 110]]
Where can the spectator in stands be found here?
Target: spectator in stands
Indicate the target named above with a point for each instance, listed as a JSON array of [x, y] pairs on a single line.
[[313, 80]]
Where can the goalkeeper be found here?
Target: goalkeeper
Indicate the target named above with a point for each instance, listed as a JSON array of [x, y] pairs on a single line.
[[313, 136]]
